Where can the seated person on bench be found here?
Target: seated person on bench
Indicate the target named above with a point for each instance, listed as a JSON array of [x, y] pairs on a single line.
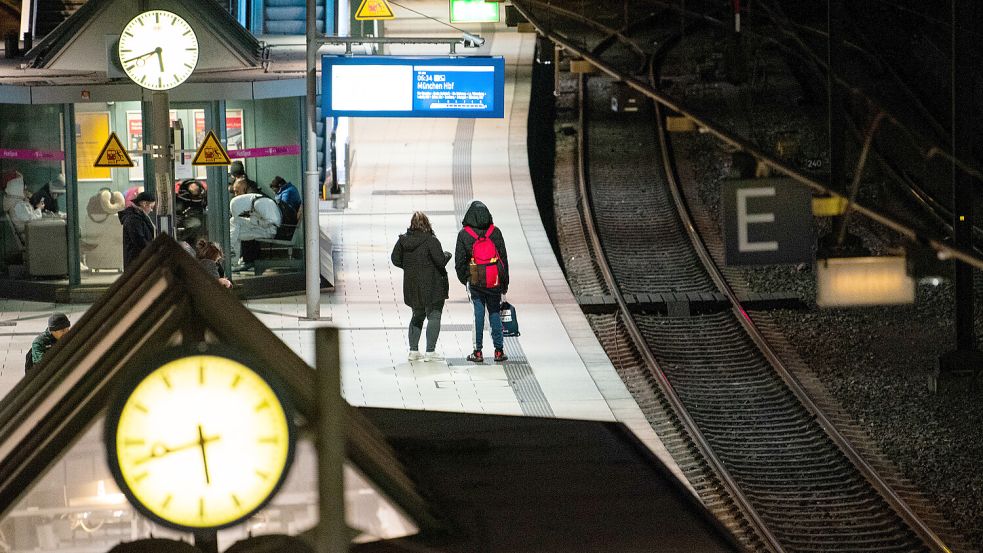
[[253, 216]]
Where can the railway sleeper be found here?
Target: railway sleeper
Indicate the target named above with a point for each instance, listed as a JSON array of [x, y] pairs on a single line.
[[904, 542], [685, 304]]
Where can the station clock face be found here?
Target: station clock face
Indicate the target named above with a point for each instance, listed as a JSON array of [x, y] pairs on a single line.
[[199, 441], [158, 50]]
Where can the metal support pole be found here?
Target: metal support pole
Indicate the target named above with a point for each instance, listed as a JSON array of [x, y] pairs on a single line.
[[836, 126], [218, 186], [312, 249], [834, 54], [332, 532], [963, 91], [162, 161], [71, 195], [966, 360]]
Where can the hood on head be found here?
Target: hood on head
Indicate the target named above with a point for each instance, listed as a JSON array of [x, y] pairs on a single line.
[[413, 239], [477, 216]]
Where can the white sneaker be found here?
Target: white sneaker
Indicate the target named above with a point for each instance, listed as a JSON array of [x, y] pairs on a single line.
[[414, 356], [433, 356]]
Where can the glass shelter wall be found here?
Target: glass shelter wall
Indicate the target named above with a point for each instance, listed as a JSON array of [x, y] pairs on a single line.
[[99, 194], [32, 139]]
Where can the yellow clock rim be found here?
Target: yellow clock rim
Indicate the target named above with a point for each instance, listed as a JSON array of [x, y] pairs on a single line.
[[137, 372]]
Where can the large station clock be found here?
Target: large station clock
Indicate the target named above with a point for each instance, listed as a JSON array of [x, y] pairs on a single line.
[[199, 439], [158, 50]]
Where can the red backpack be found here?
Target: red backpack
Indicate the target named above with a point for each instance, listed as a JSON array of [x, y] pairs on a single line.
[[483, 268]]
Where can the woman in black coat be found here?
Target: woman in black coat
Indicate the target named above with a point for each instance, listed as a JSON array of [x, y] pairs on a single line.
[[425, 287]]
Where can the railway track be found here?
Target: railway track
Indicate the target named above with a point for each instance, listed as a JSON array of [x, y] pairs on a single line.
[[787, 475]]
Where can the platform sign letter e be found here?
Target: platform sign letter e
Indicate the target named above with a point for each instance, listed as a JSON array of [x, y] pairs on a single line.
[[767, 221], [744, 219]]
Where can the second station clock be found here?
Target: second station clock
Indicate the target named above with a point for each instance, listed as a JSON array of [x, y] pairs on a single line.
[[158, 50], [199, 440]]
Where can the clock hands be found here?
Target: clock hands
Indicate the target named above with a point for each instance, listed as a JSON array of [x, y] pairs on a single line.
[[204, 458], [158, 51], [160, 450]]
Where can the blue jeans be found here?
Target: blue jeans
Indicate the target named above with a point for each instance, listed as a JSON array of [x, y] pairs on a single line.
[[492, 302]]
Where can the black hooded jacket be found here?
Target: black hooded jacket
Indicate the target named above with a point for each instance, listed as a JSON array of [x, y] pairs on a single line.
[[423, 262], [138, 231], [479, 219]]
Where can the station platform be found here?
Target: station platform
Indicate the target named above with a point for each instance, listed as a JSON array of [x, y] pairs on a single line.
[[556, 368]]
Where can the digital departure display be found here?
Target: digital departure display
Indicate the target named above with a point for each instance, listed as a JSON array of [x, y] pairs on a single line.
[[390, 86]]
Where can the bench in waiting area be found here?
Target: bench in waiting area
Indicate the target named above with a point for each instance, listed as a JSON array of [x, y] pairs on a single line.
[[281, 254]]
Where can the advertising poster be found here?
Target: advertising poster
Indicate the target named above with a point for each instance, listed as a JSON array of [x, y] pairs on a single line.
[[91, 134], [134, 141]]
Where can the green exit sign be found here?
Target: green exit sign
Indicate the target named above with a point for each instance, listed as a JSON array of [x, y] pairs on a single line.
[[474, 11]]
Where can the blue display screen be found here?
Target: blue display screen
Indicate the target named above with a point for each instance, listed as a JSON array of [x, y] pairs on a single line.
[[390, 86]]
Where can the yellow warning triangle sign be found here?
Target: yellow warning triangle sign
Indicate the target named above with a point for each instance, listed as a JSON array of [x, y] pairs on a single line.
[[211, 152], [113, 154], [371, 10]]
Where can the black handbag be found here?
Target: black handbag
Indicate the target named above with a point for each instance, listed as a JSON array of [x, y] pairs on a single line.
[[510, 324]]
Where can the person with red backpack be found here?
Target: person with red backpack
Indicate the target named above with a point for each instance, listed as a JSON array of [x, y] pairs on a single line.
[[482, 264]]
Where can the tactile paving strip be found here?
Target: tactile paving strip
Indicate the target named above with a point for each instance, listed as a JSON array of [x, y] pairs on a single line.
[[523, 382]]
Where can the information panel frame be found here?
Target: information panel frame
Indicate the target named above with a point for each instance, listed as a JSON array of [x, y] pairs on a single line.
[[399, 90]]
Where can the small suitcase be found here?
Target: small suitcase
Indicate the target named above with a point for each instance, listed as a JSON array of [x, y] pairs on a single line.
[[510, 324]]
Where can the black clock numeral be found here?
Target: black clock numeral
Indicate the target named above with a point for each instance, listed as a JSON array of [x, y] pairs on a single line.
[[189, 66], [186, 33], [143, 79], [157, 16], [176, 78], [128, 33], [130, 68], [140, 21], [236, 500], [192, 49], [126, 51]]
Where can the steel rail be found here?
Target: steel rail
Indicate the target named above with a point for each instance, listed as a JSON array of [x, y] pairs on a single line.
[[896, 502], [944, 250], [760, 528]]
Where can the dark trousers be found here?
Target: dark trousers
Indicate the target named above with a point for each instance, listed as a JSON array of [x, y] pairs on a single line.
[[492, 302], [432, 314], [250, 251]]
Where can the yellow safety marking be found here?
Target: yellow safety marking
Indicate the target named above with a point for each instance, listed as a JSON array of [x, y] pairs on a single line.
[[374, 10], [211, 152], [113, 154], [829, 207]]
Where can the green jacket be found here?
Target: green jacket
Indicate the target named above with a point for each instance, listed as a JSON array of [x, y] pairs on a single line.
[[42, 344]]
